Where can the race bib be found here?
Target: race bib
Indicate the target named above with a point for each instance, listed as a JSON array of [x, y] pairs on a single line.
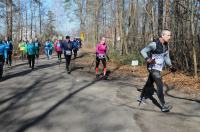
[[58, 44], [159, 58], [101, 56], [68, 52]]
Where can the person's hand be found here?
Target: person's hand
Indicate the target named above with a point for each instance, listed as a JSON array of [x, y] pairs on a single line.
[[151, 61], [172, 69]]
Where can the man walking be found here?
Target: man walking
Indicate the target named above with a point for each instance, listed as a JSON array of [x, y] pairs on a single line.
[[156, 55]]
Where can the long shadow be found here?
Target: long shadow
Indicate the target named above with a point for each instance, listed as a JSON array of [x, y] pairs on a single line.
[[76, 68], [182, 98], [21, 93], [23, 99], [39, 118], [81, 56], [21, 64], [18, 96], [22, 73]]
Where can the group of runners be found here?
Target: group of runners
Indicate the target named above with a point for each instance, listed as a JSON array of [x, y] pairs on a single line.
[[156, 55]]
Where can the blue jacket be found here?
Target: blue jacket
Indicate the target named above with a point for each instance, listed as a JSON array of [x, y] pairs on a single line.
[[8, 45], [3, 50], [31, 50], [37, 44], [67, 47], [75, 45]]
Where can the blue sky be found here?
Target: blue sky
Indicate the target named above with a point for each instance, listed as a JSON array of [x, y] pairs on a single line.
[[63, 23]]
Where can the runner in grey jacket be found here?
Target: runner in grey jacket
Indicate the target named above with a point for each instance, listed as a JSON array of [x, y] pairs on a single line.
[[158, 57]]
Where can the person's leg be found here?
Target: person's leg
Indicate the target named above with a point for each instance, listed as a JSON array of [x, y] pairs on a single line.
[[59, 55], [69, 60], [75, 53], [23, 55], [67, 57], [97, 65], [10, 58], [29, 60], [48, 53], [38, 53], [1, 66], [33, 61], [1, 70], [159, 83], [104, 66]]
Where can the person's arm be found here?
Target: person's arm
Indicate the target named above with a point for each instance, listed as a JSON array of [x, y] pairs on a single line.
[[11, 46], [5, 54], [107, 50], [148, 48], [97, 49], [167, 59]]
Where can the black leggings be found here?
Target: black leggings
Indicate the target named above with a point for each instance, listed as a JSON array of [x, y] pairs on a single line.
[[1, 65], [68, 59], [59, 53], [31, 61], [154, 76], [148, 89], [75, 52], [9, 59], [102, 60]]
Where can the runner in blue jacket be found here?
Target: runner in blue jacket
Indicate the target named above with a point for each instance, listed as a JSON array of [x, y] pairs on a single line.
[[3, 57]]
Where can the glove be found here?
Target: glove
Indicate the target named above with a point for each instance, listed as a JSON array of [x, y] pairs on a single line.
[[173, 69], [150, 61]]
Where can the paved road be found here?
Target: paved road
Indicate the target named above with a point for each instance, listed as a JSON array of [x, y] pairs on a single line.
[[50, 100]]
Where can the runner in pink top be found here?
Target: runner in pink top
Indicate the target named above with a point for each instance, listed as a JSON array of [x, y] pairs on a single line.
[[58, 48], [101, 54]]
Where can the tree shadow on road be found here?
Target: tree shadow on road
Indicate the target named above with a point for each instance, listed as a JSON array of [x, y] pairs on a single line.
[[25, 72], [31, 122], [9, 116], [21, 64], [182, 98], [76, 68]]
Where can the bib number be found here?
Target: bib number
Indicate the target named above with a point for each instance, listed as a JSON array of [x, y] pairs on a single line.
[[101, 56], [68, 52]]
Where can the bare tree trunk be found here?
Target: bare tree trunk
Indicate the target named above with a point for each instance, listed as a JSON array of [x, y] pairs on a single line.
[[40, 17], [193, 39], [160, 15], [96, 20], [26, 15], [9, 17], [19, 21], [31, 6], [166, 14]]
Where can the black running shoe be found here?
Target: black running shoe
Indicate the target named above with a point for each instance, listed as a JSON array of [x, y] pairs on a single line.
[[166, 108]]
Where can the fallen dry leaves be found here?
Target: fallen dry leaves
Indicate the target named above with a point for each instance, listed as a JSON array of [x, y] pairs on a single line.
[[182, 82]]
